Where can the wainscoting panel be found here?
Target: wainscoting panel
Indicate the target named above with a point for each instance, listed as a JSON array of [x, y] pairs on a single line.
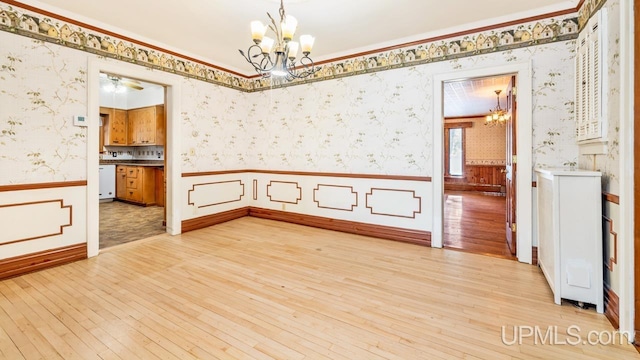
[[336, 197], [284, 192], [611, 220], [392, 207], [211, 194], [43, 219], [394, 202], [215, 193], [478, 178], [37, 219], [386, 201]]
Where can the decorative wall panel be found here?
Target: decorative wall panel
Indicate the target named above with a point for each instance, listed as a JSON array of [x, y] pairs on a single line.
[[394, 202], [284, 192], [215, 193], [391, 201], [43, 219], [336, 197], [255, 189]]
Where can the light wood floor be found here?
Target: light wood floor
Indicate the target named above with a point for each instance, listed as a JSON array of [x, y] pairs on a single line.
[[259, 289], [474, 222]]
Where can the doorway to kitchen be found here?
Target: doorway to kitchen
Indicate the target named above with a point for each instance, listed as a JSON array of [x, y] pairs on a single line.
[[132, 152], [478, 146]]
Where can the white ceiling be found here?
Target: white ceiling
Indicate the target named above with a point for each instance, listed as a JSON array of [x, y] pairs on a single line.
[[474, 97], [214, 30]]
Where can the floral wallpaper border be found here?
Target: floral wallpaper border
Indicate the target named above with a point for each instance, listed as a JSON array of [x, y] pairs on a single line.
[[38, 26]]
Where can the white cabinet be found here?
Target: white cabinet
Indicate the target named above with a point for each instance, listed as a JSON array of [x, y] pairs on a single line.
[[570, 234]]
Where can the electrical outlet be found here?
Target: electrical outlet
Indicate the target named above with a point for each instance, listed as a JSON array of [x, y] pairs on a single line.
[[192, 152]]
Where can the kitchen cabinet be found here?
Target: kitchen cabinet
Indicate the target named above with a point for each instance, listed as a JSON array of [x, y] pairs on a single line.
[[160, 187], [136, 184], [570, 234], [121, 181], [114, 125], [103, 121], [146, 126]]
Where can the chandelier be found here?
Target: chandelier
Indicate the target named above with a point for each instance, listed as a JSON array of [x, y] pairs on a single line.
[[278, 57], [497, 116]]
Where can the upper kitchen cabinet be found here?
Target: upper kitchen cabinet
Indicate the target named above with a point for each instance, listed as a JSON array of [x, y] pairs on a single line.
[[146, 126], [114, 125]]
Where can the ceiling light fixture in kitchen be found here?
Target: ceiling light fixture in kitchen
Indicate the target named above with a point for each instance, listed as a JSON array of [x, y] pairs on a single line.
[[277, 57]]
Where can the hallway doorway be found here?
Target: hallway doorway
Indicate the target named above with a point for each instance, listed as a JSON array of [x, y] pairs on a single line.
[[478, 149]]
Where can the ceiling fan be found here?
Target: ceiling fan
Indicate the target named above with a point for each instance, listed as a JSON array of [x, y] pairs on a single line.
[[114, 83]]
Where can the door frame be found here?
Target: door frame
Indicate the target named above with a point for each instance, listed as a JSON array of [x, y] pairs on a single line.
[[523, 72], [629, 251], [172, 146], [511, 167]]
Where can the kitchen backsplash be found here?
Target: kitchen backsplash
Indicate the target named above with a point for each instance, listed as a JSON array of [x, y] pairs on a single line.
[[133, 153]]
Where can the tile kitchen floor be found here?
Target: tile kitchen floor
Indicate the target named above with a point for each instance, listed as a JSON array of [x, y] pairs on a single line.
[[121, 222]]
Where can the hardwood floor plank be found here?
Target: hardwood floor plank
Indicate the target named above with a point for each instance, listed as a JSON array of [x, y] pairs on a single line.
[[8, 350], [475, 222], [258, 289]]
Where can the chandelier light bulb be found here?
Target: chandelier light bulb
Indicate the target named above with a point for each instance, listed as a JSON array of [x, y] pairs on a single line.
[[257, 31], [293, 50], [266, 45], [307, 43], [288, 27]]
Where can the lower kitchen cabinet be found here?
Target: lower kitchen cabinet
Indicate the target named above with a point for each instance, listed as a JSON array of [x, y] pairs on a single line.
[[136, 184], [160, 186]]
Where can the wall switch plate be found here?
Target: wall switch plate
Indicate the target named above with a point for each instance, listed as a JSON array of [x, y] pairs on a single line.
[[79, 120]]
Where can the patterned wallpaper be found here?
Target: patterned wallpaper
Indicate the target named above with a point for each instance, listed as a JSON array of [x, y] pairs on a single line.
[[217, 127], [381, 122], [42, 86], [484, 145], [377, 122]]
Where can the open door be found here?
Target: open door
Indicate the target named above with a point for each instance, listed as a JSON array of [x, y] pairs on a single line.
[[510, 167]]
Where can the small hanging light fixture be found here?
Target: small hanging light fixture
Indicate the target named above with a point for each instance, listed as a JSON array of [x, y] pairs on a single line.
[[498, 116]]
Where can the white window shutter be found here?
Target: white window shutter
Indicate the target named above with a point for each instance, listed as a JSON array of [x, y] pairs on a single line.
[[590, 79]]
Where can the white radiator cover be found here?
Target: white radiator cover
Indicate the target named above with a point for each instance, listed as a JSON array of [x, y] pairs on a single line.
[[570, 234]]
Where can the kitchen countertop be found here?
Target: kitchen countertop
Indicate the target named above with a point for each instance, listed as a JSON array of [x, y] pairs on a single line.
[[153, 163]]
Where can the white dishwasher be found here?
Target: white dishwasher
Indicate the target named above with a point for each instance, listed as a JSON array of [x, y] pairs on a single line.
[[107, 180]]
